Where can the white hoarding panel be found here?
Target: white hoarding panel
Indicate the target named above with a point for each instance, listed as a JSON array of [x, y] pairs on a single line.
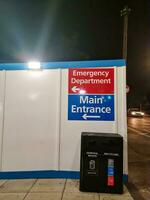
[[122, 115], [31, 138], [2, 102]]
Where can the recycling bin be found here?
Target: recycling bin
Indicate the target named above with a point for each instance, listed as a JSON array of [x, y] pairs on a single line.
[[101, 164]]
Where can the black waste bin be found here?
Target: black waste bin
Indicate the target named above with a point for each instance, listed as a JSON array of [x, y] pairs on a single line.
[[101, 164]]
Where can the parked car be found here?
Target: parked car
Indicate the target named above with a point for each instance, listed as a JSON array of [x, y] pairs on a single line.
[[135, 112]]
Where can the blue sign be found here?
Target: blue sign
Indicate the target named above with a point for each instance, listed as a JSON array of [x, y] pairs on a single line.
[[91, 107]]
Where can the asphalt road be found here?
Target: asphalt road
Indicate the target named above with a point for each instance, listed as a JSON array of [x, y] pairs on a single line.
[[139, 157]]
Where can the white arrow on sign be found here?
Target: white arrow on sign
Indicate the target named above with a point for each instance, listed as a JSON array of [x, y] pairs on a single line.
[[75, 89], [85, 116]]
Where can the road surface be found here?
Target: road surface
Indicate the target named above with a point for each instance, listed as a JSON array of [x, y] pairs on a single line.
[[139, 157]]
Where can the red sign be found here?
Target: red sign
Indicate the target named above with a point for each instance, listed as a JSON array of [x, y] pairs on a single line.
[[91, 81]]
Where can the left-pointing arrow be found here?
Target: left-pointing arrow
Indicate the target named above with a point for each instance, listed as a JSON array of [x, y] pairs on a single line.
[[75, 89], [85, 116]]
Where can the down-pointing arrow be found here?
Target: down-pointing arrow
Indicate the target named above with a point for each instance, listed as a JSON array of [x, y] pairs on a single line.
[[85, 116], [75, 89]]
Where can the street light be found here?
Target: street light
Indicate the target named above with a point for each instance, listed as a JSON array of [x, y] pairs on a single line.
[[125, 13], [34, 65]]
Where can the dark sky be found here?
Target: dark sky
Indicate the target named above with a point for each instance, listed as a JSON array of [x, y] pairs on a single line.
[[56, 30]]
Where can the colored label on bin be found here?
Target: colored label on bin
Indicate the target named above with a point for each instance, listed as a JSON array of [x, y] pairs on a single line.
[[110, 171], [110, 181], [111, 162]]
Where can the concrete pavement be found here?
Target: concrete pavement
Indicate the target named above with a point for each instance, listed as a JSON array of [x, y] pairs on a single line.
[[51, 189]]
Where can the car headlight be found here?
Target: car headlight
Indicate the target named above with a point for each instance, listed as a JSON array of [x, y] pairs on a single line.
[[133, 113], [142, 113]]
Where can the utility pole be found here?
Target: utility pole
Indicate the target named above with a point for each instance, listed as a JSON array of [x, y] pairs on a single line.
[[125, 13]]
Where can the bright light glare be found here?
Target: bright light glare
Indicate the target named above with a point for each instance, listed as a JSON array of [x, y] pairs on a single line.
[[142, 113], [36, 74], [133, 113], [82, 91], [34, 65]]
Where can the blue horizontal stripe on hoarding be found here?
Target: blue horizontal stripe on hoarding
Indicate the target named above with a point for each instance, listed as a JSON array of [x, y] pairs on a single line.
[[65, 65], [40, 174], [45, 174]]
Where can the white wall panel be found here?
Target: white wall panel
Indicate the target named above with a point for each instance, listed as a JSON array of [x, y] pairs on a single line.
[[122, 116], [31, 138], [71, 131], [2, 101]]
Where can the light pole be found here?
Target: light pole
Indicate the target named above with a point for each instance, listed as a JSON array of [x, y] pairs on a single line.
[[125, 13]]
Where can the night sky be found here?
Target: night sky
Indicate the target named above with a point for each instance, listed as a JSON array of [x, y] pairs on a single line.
[[62, 30]]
